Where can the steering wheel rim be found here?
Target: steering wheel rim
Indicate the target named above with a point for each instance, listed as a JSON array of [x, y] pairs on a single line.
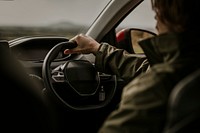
[[46, 73]]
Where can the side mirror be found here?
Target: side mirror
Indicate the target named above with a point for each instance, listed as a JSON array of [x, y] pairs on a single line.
[[128, 39]]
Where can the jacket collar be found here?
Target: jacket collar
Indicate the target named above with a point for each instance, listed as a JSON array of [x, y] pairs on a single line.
[[168, 47]]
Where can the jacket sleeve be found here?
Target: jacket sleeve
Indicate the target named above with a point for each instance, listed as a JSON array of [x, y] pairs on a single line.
[[111, 60]]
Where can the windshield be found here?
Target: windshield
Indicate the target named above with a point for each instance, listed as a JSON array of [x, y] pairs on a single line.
[[47, 17]]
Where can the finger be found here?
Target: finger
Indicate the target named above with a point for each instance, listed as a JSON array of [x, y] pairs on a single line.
[[68, 51], [75, 38]]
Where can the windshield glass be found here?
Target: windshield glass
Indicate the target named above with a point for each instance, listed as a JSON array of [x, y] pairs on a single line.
[[47, 17]]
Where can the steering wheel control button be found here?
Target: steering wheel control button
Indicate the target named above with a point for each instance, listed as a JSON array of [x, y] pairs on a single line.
[[58, 77], [102, 96]]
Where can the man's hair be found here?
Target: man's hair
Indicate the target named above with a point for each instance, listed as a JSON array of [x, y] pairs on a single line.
[[178, 15]]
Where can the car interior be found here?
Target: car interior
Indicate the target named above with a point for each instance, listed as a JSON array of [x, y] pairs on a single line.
[[71, 94]]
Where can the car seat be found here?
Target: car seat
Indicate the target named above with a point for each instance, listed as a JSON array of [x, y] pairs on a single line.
[[184, 106], [23, 109]]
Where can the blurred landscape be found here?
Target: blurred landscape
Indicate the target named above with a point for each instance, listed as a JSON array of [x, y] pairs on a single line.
[[64, 29]]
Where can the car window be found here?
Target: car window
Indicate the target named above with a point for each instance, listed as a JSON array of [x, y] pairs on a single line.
[[47, 17], [142, 17]]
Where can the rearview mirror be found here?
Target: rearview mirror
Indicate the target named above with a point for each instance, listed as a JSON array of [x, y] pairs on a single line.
[[128, 39]]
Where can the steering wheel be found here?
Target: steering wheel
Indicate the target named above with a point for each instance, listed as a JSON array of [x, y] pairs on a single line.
[[75, 82]]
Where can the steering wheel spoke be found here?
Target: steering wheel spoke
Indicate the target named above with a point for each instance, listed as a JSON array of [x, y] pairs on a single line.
[[58, 76]]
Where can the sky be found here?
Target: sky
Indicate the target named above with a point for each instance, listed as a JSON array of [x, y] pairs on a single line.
[[46, 11], [36, 12]]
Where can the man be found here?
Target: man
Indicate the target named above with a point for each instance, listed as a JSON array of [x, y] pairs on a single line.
[[173, 55]]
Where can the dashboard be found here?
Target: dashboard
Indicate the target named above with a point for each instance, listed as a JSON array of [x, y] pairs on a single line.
[[31, 51], [35, 49]]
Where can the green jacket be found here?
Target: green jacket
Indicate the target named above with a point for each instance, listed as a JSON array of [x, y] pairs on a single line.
[[144, 99], [114, 61]]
